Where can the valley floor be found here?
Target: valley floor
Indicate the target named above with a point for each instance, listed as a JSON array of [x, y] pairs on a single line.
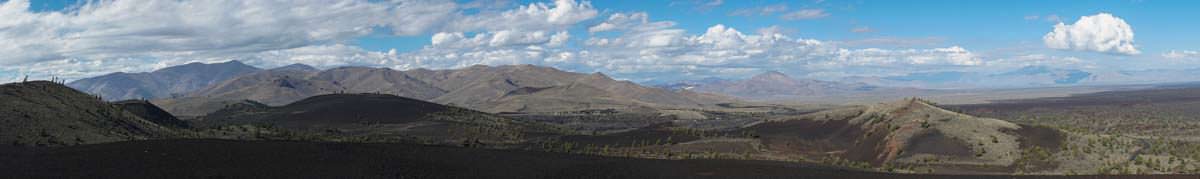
[[286, 159]]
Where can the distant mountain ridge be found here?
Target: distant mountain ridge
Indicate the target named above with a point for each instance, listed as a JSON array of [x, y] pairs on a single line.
[[772, 85], [1024, 77], [161, 83], [510, 88]]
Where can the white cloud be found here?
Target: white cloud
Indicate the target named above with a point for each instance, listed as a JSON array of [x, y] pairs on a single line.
[[805, 14], [646, 50], [415, 17], [133, 28], [535, 16], [620, 21], [108, 36], [97, 39], [325, 56], [666, 52], [498, 39], [1100, 33], [630, 22], [1181, 54], [775, 29], [954, 55], [322, 56], [1067, 62]]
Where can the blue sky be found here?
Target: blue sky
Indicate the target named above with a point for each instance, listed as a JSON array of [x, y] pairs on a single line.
[[976, 24], [971, 24], [678, 40]]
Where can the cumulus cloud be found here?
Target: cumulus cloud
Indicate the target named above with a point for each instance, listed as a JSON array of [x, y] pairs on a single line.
[[775, 29], [656, 50], [666, 52], [100, 36], [805, 14], [415, 17], [563, 14], [954, 55], [131, 28], [325, 56], [134, 36], [1019, 61], [629, 21], [498, 39], [1099, 33]]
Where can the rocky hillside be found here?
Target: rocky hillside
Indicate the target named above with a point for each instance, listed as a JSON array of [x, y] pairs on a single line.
[[42, 113]]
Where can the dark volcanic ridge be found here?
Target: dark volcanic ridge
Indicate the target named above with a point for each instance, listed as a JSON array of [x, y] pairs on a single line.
[[42, 113], [381, 117], [331, 110]]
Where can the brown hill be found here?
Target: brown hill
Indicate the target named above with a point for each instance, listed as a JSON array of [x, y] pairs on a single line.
[[162, 83], [520, 88], [271, 86], [42, 113], [527, 88]]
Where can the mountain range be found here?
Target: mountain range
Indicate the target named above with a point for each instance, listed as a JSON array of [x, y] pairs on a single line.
[[196, 89], [162, 83], [512, 88], [774, 85]]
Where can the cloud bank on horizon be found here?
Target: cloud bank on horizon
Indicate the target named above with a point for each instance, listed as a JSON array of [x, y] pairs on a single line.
[[96, 37]]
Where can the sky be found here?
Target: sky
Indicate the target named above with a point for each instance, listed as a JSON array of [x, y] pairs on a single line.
[[642, 41]]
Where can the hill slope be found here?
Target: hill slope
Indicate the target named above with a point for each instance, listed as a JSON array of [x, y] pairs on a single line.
[[43, 113]]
